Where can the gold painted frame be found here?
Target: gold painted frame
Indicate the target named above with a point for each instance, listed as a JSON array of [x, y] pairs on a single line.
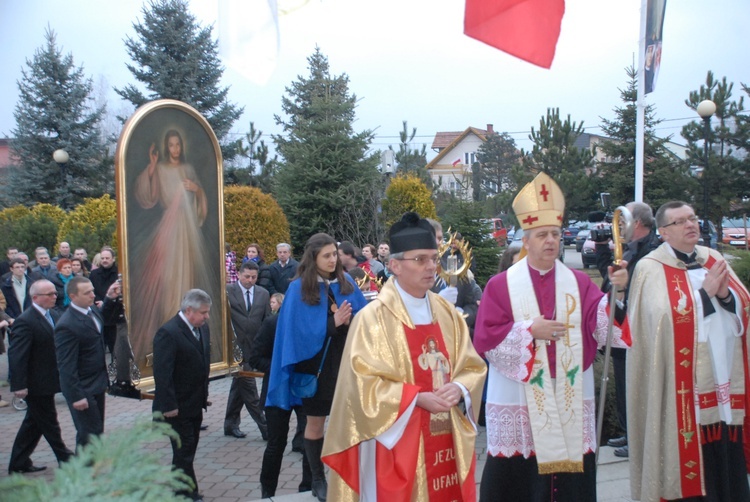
[[170, 224]]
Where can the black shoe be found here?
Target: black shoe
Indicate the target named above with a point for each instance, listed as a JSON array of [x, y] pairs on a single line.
[[622, 452], [298, 449], [204, 427], [28, 469], [618, 442], [235, 433]]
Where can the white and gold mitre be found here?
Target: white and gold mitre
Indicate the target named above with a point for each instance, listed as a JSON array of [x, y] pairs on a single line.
[[539, 203]]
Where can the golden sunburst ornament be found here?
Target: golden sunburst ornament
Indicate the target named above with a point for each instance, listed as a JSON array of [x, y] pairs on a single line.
[[455, 259]]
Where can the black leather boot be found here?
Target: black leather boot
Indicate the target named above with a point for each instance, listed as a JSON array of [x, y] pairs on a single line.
[[313, 449]]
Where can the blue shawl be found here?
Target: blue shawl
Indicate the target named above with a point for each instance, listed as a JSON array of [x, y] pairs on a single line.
[[300, 333]]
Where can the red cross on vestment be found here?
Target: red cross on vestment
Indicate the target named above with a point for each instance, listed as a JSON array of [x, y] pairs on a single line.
[[530, 219], [544, 193]]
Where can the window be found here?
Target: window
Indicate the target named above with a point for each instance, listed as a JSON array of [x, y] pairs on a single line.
[[470, 158]]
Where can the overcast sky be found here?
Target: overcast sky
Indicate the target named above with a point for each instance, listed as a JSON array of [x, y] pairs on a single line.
[[409, 60]]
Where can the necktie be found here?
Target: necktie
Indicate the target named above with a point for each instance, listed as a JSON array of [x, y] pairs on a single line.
[[248, 301], [94, 320], [197, 334], [48, 316]]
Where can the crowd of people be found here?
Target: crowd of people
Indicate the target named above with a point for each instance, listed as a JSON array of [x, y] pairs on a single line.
[[390, 369]]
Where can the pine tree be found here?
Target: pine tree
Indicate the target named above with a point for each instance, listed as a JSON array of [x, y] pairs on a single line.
[[55, 111], [498, 157], [411, 160], [723, 176], [260, 170], [327, 181], [665, 178], [555, 153], [175, 58]]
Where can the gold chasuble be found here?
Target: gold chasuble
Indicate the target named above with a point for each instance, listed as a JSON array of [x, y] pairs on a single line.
[[379, 444], [686, 375]]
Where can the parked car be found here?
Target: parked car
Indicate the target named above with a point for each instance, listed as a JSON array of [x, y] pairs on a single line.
[[499, 232], [516, 242], [581, 238], [569, 235], [734, 232], [588, 254]]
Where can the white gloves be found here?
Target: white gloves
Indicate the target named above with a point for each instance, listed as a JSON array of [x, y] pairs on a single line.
[[450, 293]]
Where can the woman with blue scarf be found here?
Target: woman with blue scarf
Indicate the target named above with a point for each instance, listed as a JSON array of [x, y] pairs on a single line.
[[312, 327], [60, 280]]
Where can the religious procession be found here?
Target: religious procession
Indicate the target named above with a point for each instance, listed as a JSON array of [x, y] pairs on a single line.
[[394, 328]]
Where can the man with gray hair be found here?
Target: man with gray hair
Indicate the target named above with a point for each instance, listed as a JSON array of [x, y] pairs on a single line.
[[181, 366], [643, 241], [283, 270]]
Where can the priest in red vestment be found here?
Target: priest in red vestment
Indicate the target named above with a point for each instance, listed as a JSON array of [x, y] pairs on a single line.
[[403, 422], [687, 371], [539, 325]]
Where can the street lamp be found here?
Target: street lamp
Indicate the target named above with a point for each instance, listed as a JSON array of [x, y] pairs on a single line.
[[61, 157], [706, 109]]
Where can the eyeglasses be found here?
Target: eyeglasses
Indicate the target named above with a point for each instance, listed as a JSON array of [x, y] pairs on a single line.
[[681, 222], [421, 260], [48, 294]]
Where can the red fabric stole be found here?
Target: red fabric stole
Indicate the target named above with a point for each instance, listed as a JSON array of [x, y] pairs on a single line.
[[431, 371], [684, 328]]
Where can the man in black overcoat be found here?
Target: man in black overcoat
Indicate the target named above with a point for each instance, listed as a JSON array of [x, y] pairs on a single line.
[[181, 367], [33, 365]]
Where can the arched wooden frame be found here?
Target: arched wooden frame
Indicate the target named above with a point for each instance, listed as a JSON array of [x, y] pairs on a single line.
[[136, 225]]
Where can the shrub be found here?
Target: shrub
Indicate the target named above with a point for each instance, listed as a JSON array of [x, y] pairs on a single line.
[[253, 216], [407, 193], [27, 229], [91, 225], [114, 466]]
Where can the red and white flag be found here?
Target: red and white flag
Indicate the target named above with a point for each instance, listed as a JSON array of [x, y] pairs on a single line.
[[457, 161], [526, 29]]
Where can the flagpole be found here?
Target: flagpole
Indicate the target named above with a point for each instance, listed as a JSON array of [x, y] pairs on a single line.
[[640, 124]]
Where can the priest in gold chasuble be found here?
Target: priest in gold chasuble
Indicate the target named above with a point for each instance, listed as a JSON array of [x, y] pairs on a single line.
[[403, 422], [687, 371], [539, 325]]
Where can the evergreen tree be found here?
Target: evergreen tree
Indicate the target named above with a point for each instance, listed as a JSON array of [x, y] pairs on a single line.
[[261, 169], [410, 160], [665, 178], [176, 58], [327, 181], [498, 157], [723, 174], [740, 140], [555, 153], [55, 111]]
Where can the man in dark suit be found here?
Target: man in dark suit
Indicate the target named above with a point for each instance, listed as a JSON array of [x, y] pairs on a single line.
[[44, 266], [282, 270], [181, 366], [79, 346], [249, 304], [33, 365]]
